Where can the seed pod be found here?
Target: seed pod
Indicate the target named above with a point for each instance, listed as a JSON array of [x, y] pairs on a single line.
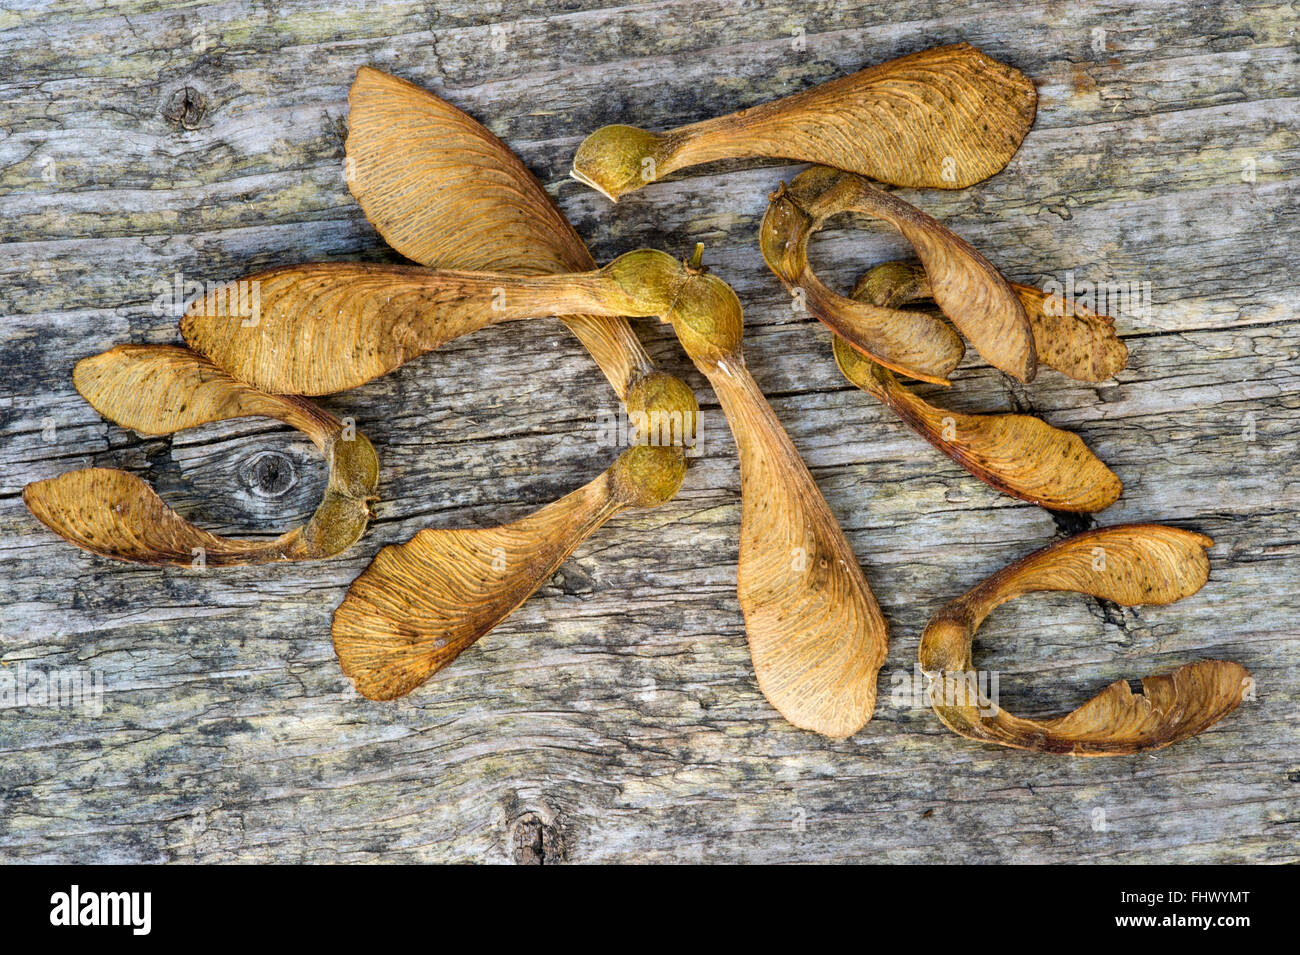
[[445, 192], [1014, 453], [816, 634], [943, 118], [160, 389], [1017, 454], [420, 604], [1132, 565], [1068, 337], [329, 327], [970, 291]]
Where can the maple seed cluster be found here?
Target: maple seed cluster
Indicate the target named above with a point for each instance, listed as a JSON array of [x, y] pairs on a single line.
[[492, 247]]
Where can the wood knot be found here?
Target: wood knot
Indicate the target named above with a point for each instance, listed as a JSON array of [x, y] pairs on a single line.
[[534, 841], [268, 474], [573, 580], [185, 108]]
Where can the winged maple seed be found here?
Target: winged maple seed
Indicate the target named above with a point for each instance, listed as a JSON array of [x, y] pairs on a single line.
[[1132, 565], [328, 327], [943, 118], [968, 289], [160, 389], [420, 604], [1068, 337], [912, 343], [815, 632], [445, 192], [1017, 454]]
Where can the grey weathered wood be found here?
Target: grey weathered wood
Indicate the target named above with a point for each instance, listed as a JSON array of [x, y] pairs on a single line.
[[615, 716]]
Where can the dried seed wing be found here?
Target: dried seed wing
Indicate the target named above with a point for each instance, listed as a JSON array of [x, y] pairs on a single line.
[[1074, 340], [115, 514], [160, 389], [943, 118], [420, 604], [1172, 707], [816, 634], [963, 283], [912, 343], [892, 285], [1131, 565], [1016, 454], [1068, 336], [444, 191], [327, 327]]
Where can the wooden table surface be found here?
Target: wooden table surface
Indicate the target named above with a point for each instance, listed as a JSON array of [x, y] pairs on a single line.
[[615, 716]]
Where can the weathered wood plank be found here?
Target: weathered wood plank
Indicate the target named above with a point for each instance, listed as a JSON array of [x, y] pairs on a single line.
[[615, 716]]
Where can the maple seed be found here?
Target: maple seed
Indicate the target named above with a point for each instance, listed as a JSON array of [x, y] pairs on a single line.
[[816, 634], [971, 292], [906, 122], [1017, 454], [1131, 565], [160, 389], [421, 604], [1069, 337]]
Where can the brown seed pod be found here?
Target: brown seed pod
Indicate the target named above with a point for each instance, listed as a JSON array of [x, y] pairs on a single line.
[[445, 192], [970, 291], [1132, 565], [816, 634], [160, 389], [1017, 454], [326, 327], [912, 343], [1068, 337], [420, 604], [943, 118]]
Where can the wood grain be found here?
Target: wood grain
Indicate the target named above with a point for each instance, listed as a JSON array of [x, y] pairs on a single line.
[[615, 715]]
